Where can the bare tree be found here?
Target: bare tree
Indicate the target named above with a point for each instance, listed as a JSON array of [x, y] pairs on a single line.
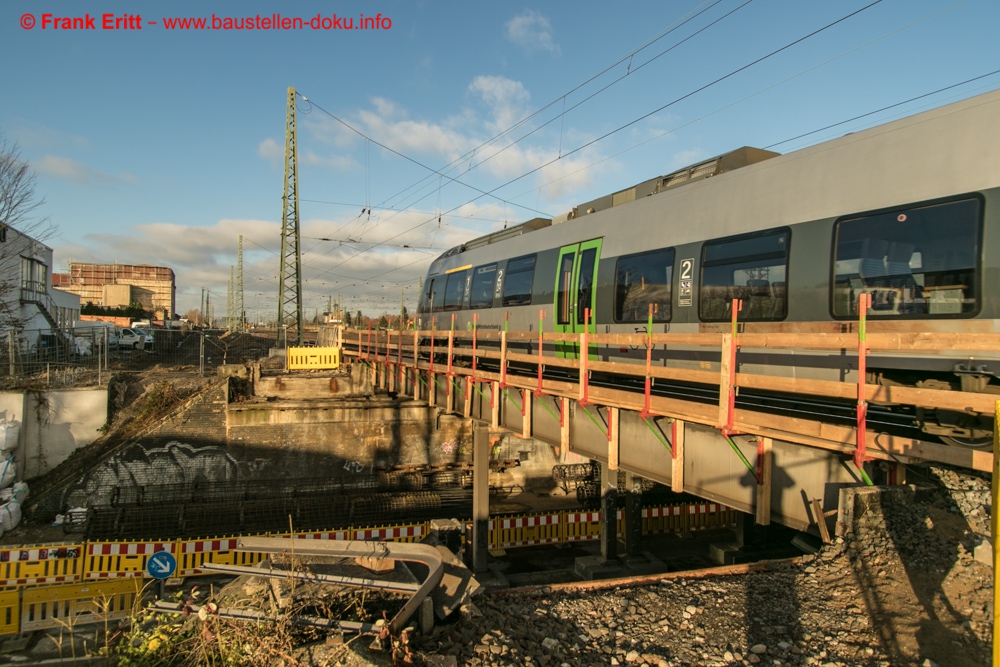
[[18, 200], [22, 230]]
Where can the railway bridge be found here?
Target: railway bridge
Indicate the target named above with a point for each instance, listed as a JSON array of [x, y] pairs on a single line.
[[774, 458]]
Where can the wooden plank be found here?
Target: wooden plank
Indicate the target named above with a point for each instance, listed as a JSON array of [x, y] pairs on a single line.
[[467, 403], [497, 399], [526, 403], [614, 442], [564, 431], [820, 517], [763, 505], [725, 389], [677, 466], [549, 361]]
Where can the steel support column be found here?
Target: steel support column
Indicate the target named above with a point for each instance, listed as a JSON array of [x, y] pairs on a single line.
[[609, 513], [480, 497]]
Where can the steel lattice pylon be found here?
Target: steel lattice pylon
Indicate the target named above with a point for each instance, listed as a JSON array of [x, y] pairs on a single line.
[[230, 302], [290, 275], [241, 318]]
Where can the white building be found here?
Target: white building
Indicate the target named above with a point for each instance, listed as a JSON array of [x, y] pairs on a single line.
[[29, 305]]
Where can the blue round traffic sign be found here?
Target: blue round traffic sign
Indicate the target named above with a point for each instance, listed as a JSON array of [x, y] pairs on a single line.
[[161, 565]]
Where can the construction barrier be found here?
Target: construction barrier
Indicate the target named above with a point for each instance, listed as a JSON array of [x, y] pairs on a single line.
[[113, 560], [40, 564], [66, 606], [526, 531], [660, 520], [10, 612], [400, 533], [345, 534], [195, 553], [582, 526], [313, 358], [708, 515], [58, 585]]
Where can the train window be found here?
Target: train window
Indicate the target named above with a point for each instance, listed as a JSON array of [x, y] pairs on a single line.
[[433, 298], [482, 286], [752, 268], [916, 262], [643, 280], [517, 281], [454, 290]]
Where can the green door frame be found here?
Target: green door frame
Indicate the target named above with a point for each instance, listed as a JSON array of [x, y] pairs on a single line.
[[573, 295]]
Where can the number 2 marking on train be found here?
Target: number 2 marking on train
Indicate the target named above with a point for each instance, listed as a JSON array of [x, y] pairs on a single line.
[[686, 291]]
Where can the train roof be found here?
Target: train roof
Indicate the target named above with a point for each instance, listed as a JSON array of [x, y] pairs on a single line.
[[937, 153]]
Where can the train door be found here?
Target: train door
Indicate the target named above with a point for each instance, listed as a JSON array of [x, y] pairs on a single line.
[[576, 277]]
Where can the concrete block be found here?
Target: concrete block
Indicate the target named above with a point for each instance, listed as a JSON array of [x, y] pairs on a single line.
[[590, 568], [376, 564], [983, 552], [427, 616]]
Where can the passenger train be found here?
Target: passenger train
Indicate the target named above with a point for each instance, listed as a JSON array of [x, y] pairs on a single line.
[[908, 212]]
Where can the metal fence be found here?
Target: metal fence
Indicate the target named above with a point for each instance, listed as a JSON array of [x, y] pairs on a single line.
[[86, 356]]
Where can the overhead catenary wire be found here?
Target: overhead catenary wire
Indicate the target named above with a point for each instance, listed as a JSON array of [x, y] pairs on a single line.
[[694, 13], [636, 120], [918, 97], [691, 15]]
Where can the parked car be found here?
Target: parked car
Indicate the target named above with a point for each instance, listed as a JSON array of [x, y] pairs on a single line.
[[148, 338], [133, 338], [96, 332]]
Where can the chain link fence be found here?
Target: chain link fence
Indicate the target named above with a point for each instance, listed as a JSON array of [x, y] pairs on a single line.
[[87, 356]]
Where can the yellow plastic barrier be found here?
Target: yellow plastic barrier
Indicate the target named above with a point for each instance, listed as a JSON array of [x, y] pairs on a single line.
[[527, 530], [40, 564], [10, 612], [708, 515], [112, 560], [659, 520], [581, 526], [342, 534], [72, 604], [195, 553], [313, 358], [413, 532]]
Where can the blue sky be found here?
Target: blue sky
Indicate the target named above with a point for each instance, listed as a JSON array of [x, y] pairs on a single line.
[[163, 146]]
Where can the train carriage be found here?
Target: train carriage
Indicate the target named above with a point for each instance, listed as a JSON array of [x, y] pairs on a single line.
[[907, 212]]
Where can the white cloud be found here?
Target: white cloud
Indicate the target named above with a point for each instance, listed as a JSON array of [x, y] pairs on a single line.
[[338, 162], [32, 134], [272, 152], [78, 173], [507, 99], [532, 31]]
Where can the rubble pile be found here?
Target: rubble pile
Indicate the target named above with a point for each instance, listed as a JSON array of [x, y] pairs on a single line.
[[901, 587]]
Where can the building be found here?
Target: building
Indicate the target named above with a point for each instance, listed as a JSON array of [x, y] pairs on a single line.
[[29, 305], [119, 285]]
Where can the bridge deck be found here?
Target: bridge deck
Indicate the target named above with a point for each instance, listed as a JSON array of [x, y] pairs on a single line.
[[769, 464]]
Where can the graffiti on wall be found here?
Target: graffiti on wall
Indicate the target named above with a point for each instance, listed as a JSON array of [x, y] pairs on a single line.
[[174, 463]]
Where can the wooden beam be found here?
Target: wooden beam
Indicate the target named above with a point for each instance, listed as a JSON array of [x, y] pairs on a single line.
[[497, 399], [677, 466], [526, 403], [725, 389], [467, 403], [820, 518], [614, 442], [564, 430], [765, 463]]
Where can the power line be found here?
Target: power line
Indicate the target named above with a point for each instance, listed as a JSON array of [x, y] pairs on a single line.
[[663, 33], [410, 159], [891, 106], [633, 122]]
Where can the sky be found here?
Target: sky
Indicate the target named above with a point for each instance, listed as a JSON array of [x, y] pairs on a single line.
[[437, 123]]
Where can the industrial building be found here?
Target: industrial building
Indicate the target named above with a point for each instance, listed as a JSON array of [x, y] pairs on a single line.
[[119, 285]]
